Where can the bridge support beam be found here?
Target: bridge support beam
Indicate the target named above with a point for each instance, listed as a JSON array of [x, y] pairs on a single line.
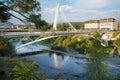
[[56, 17]]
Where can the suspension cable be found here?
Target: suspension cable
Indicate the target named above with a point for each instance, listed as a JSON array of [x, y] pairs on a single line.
[[67, 20]]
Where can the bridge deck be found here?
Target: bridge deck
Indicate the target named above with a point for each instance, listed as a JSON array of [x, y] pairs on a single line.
[[37, 33]]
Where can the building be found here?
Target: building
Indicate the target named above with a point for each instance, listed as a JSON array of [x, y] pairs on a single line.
[[92, 24], [106, 23], [111, 35], [109, 23]]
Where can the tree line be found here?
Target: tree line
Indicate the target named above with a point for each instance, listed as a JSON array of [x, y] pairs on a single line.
[[28, 9]]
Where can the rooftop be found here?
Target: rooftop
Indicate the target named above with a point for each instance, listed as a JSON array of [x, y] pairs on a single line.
[[92, 21], [108, 20], [101, 20]]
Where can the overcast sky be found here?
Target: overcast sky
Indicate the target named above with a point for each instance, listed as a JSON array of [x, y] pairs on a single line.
[[79, 10]]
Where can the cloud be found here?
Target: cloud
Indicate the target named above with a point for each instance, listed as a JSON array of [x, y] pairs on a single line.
[[75, 14], [112, 13], [63, 8], [49, 10], [66, 8], [94, 4], [81, 10], [83, 15]]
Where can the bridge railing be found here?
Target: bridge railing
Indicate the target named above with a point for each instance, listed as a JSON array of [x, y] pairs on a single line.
[[24, 33]]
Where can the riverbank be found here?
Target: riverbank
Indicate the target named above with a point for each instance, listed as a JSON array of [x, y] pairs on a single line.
[[73, 65], [112, 63]]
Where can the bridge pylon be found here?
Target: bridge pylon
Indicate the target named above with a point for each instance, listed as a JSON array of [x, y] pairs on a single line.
[[56, 17]]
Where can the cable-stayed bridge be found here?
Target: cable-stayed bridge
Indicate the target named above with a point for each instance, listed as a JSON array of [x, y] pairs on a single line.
[[71, 29], [49, 34]]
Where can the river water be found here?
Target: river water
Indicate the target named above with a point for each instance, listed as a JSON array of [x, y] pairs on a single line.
[[53, 64]]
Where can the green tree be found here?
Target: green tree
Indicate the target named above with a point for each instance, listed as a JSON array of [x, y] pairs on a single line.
[[78, 25], [6, 48], [28, 9], [96, 34], [58, 41], [63, 26], [25, 6], [36, 19], [96, 54], [27, 72], [117, 44], [66, 26], [4, 15]]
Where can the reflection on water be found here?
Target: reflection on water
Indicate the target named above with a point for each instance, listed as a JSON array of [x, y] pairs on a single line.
[[59, 64], [54, 64], [56, 60]]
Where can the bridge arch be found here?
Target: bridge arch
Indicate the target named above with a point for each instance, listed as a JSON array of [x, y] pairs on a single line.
[[45, 38], [32, 42]]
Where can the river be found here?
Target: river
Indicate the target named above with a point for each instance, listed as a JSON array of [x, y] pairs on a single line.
[[53, 64]]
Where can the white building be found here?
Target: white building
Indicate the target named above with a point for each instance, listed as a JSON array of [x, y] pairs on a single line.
[[109, 23], [91, 24], [106, 23]]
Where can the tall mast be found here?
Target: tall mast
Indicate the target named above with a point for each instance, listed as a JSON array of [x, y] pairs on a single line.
[[56, 17]]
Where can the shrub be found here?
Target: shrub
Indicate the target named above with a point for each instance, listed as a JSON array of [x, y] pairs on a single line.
[[24, 71], [6, 48]]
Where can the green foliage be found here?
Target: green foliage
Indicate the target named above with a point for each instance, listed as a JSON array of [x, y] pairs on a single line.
[[4, 15], [96, 34], [96, 54], [58, 41], [62, 26], [97, 70], [60, 76], [65, 26], [78, 25], [80, 46], [115, 33], [94, 51], [117, 43], [24, 71], [6, 48], [28, 9], [48, 42], [25, 6], [15, 68], [36, 19]]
